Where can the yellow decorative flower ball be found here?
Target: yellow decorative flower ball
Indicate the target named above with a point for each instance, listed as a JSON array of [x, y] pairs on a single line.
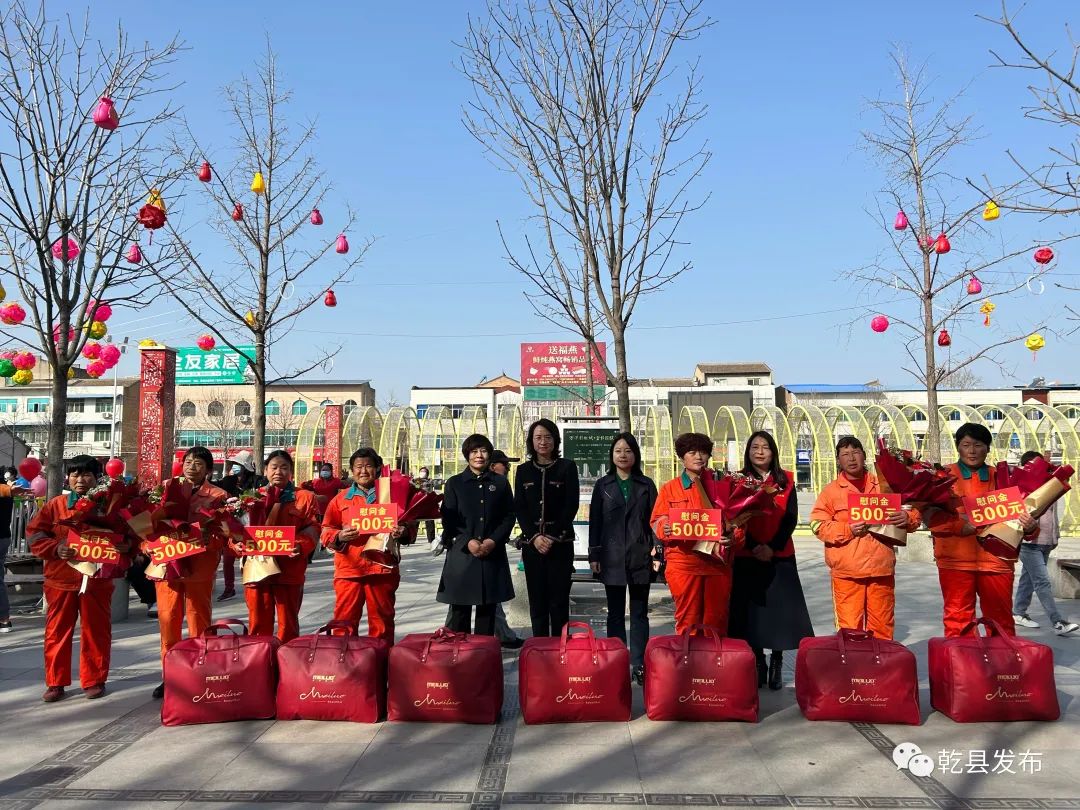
[[97, 330], [23, 377]]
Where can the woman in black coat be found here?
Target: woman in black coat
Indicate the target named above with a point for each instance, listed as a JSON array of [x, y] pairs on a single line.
[[477, 518], [546, 496], [621, 544]]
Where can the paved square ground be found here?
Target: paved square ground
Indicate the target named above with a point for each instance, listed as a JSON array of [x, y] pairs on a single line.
[[113, 753]]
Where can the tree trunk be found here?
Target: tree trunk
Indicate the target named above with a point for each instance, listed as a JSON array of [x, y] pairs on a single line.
[[258, 418], [57, 430], [932, 448], [622, 380]]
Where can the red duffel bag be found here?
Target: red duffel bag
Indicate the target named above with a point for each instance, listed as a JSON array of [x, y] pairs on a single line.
[[855, 677], [212, 678], [977, 679], [446, 677], [332, 677], [702, 677], [574, 678]]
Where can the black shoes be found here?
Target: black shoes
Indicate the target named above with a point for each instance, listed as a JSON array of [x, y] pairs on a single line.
[[159, 691], [762, 671], [637, 674], [776, 672], [512, 644]]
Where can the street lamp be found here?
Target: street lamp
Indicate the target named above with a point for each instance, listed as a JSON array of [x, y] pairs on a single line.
[[114, 450]]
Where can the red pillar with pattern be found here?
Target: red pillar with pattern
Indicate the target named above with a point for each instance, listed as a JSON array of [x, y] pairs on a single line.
[[157, 413], [332, 440]]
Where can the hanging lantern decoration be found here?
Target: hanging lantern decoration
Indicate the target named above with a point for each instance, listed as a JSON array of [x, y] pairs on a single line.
[[96, 369], [901, 221], [12, 314], [238, 212], [974, 286], [105, 115], [1044, 255], [879, 323], [134, 254], [330, 300], [56, 335], [316, 217], [110, 355], [92, 350], [204, 174], [7, 368], [98, 312], [22, 377], [152, 215], [1034, 343], [71, 372], [206, 342], [114, 468], [941, 245], [986, 309], [73, 249], [249, 318], [97, 330], [3, 293], [991, 212], [925, 242], [154, 199], [943, 338], [342, 244], [148, 343], [258, 186], [24, 361]]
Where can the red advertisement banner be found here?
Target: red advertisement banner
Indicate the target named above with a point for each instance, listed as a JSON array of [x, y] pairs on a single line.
[[561, 364]]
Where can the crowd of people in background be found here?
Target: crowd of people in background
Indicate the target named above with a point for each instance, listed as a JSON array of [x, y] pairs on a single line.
[[745, 585]]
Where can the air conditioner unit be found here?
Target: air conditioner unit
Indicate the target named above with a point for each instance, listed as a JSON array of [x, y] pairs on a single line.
[[107, 444], [245, 420], [107, 415]]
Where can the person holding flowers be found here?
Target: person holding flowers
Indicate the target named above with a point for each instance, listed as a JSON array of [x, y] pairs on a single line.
[[862, 565], [71, 593], [185, 587], [700, 580], [966, 570], [279, 592]]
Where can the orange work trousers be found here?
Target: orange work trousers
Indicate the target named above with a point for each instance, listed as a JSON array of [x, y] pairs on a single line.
[[700, 599], [960, 588], [178, 599], [377, 591], [865, 603], [264, 599], [93, 609]]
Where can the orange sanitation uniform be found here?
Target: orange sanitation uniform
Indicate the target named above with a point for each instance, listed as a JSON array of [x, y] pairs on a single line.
[[862, 568], [282, 594], [93, 608], [965, 569], [359, 581], [700, 585], [192, 594]]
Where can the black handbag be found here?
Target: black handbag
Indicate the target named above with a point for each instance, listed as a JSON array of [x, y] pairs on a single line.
[[659, 563]]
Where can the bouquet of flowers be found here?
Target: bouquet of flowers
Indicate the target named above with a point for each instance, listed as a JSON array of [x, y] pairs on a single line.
[[100, 512], [420, 503], [919, 483], [1041, 484], [740, 497]]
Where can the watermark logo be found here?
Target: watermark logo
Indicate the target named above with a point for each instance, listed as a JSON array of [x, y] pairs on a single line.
[[908, 756]]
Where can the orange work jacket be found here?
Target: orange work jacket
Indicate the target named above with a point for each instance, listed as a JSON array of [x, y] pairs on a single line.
[[680, 493], [303, 514], [45, 534]]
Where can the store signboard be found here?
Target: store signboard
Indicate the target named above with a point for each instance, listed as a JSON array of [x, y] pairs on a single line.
[[223, 366], [561, 364]]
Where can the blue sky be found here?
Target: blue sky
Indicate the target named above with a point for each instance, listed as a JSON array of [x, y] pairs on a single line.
[[786, 84]]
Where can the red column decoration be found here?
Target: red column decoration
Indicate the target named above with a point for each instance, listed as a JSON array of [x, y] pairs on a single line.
[[157, 414], [332, 440]]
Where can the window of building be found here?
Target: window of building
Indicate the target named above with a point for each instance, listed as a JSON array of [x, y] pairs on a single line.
[[33, 436], [37, 404], [103, 405], [299, 408], [75, 405], [350, 405], [187, 409], [955, 416], [102, 433], [243, 408], [215, 408], [994, 414], [272, 407], [754, 381], [73, 434], [1071, 413], [9, 405], [204, 438], [421, 410], [282, 438], [326, 402]]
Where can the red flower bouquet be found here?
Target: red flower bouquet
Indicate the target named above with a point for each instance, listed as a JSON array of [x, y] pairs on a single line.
[[100, 513], [1041, 484], [739, 497], [919, 483]]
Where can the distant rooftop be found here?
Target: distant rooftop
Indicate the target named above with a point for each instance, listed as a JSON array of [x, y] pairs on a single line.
[[734, 368]]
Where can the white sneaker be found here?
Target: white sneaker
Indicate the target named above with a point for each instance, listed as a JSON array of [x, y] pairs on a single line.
[[1064, 628], [436, 547], [1024, 620]]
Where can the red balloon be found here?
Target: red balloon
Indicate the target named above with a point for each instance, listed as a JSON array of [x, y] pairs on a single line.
[[177, 469], [879, 323], [330, 300], [114, 468], [29, 467], [1044, 255]]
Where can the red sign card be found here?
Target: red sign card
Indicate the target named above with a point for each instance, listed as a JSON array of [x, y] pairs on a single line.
[[696, 524], [994, 507], [873, 509], [173, 546], [373, 518], [270, 541], [98, 547]]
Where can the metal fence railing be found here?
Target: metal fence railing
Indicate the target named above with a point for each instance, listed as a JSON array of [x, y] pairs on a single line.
[[21, 514]]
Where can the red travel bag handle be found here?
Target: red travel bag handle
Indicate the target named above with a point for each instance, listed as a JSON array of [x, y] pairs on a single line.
[[708, 630], [993, 628], [566, 636], [847, 634], [444, 635], [328, 629], [212, 631]]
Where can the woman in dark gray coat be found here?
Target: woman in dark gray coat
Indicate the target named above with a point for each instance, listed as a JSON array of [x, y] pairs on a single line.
[[477, 518], [621, 544]]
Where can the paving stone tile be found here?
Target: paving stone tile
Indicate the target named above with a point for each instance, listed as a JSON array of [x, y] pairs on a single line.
[[275, 766], [417, 766], [573, 767], [316, 732], [172, 766]]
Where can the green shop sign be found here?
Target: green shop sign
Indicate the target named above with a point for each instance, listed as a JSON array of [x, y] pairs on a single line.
[[215, 367], [554, 393]]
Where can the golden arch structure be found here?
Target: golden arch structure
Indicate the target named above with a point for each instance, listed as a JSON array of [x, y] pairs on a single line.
[[434, 441]]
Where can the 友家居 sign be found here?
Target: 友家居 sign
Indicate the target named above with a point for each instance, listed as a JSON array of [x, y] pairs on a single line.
[[561, 364], [223, 366]]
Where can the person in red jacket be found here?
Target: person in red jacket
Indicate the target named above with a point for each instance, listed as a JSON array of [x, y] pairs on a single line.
[[700, 584], [281, 593], [862, 567], [966, 570], [359, 581], [71, 596], [325, 487]]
